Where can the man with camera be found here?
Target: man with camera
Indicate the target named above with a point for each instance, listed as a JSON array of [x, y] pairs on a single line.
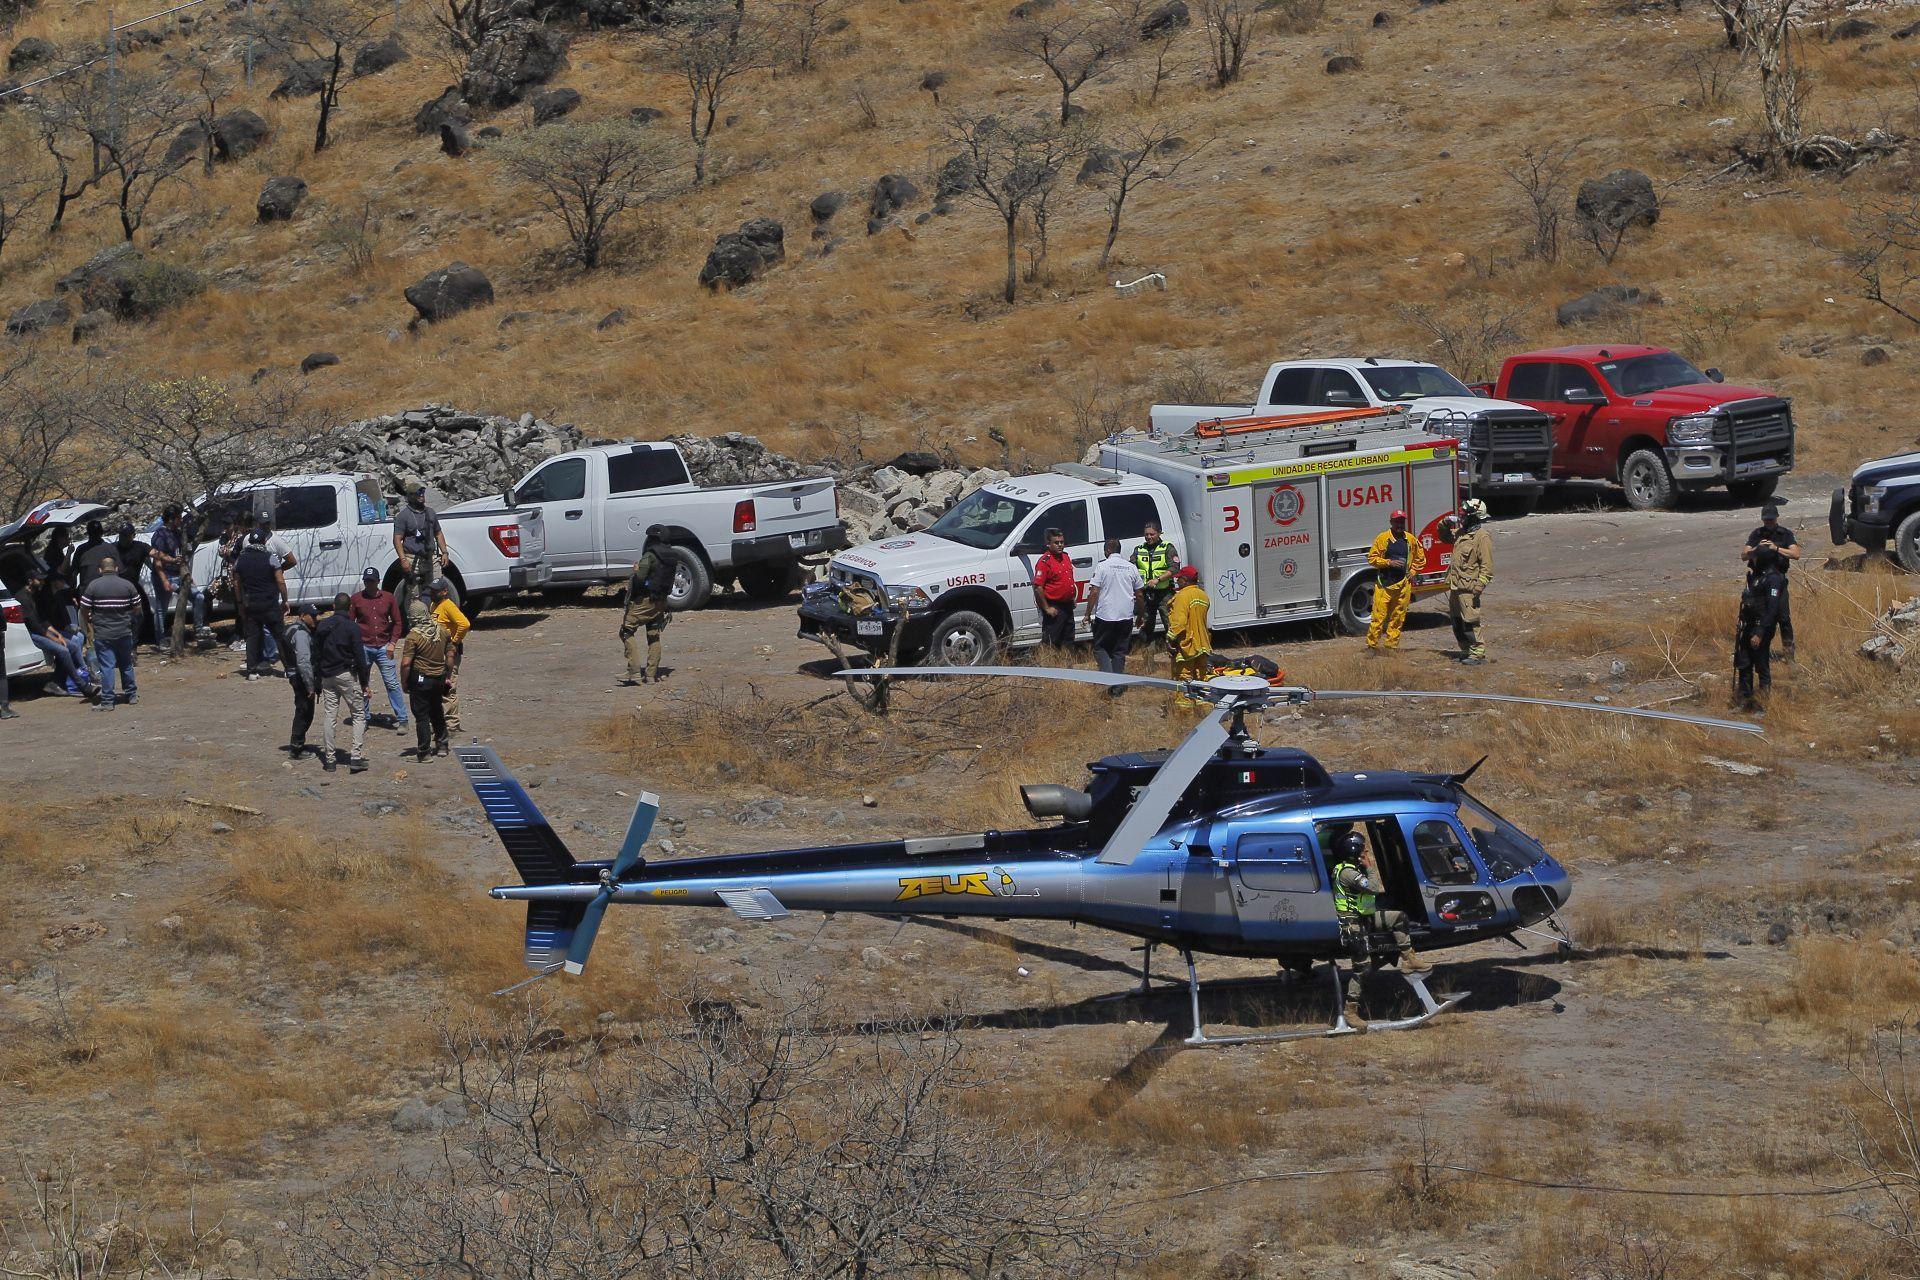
[[1773, 536]]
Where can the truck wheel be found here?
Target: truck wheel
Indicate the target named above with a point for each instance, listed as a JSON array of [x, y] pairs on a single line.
[[1648, 483], [962, 639], [1751, 493], [692, 583], [1906, 543], [1356, 606], [769, 580]]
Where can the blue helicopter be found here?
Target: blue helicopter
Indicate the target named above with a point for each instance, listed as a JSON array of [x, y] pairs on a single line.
[[1220, 846]]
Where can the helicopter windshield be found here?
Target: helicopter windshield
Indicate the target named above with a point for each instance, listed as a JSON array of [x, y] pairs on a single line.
[[982, 520], [1505, 848]]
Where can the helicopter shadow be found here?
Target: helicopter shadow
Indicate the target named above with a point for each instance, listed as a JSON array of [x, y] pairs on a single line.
[[1070, 956]]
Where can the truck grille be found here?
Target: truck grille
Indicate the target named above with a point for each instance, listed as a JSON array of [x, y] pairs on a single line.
[[1757, 429], [1512, 431], [840, 577]]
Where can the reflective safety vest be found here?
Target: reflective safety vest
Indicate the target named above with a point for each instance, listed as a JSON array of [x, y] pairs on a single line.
[[1154, 561], [1350, 902]]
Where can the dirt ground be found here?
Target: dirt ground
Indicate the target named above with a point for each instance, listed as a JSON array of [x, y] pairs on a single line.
[[1691, 1044]]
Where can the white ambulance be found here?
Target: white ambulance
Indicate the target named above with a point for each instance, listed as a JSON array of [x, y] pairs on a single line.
[[1276, 513]]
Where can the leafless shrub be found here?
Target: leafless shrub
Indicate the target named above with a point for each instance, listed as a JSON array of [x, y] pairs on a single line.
[[1767, 29], [42, 436], [67, 1229], [1883, 253], [863, 103], [712, 44], [1542, 177], [318, 34], [1884, 1147], [1072, 46], [1012, 166], [355, 235], [1297, 17], [715, 1144], [25, 180], [1139, 154], [1470, 333], [1195, 378], [1228, 25], [805, 28], [590, 174], [1097, 408], [1711, 71]]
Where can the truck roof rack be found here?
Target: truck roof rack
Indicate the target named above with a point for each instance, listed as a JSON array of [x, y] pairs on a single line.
[[1080, 471]]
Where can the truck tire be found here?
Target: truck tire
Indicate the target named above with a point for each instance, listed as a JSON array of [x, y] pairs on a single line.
[[962, 639], [692, 581], [1751, 493], [1906, 543], [769, 580], [1356, 605], [1647, 482]]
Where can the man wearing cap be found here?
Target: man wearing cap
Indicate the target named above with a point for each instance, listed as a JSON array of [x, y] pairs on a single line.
[[1397, 559], [1776, 537], [418, 538], [1469, 573], [448, 615], [1188, 634], [133, 556], [261, 589], [302, 676], [109, 610], [425, 663], [381, 626], [647, 590], [340, 662]]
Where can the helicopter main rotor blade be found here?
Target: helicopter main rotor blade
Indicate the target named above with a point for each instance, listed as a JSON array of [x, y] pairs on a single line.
[[1106, 678], [1151, 807], [1707, 722]]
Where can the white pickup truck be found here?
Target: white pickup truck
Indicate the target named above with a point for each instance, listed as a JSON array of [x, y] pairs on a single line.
[[599, 503], [1506, 449], [338, 525]]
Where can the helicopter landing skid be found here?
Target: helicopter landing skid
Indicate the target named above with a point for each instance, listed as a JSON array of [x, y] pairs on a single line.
[[1430, 1008]]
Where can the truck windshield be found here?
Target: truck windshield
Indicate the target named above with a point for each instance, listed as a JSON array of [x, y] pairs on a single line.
[[982, 519], [1505, 848], [1638, 376], [1412, 381]]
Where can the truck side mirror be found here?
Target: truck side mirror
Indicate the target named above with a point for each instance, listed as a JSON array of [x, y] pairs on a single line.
[[1342, 397], [1714, 375], [1582, 395]]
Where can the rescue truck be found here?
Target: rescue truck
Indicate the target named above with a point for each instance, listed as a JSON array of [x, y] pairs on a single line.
[[1276, 512]]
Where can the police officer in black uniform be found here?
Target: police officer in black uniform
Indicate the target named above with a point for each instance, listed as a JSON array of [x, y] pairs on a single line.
[[1761, 606], [1777, 537]]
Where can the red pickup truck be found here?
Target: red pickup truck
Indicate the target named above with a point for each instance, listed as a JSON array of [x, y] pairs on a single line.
[[1647, 419]]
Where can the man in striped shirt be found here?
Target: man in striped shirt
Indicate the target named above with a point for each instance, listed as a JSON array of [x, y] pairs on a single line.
[[110, 610]]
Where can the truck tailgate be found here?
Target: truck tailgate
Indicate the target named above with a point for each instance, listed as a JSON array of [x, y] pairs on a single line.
[[794, 506]]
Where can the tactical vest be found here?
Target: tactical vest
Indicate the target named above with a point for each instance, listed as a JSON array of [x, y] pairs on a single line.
[[1153, 561], [1350, 902]]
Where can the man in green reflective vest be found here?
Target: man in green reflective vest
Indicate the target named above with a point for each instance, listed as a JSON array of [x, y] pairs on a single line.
[[1157, 562], [1356, 899]]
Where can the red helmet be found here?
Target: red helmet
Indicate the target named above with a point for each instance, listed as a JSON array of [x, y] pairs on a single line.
[[1398, 515], [1187, 573]]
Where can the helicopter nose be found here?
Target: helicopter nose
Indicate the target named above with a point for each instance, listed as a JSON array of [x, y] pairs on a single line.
[[1557, 881]]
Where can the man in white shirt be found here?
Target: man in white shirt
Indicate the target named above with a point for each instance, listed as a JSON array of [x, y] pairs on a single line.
[[1113, 595]]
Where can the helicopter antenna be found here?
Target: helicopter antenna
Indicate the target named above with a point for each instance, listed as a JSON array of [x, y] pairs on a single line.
[[1460, 779]]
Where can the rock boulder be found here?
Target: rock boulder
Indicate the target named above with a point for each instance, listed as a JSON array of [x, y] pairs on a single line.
[[743, 256], [372, 59], [238, 134], [515, 56], [551, 104], [279, 198], [31, 53], [37, 317], [440, 110], [445, 293], [1622, 199], [1604, 303]]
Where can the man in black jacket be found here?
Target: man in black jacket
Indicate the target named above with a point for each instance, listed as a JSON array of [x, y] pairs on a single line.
[[340, 659], [261, 589]]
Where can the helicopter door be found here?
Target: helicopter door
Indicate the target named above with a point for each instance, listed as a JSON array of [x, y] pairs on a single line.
[[1277, 890], [1456, 888]]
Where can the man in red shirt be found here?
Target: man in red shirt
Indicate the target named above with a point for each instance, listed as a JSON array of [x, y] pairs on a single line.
[[381, 628], [1055, 590]]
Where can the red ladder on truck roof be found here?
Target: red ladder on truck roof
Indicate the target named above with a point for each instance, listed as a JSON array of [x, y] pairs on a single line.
[[1213, 428]]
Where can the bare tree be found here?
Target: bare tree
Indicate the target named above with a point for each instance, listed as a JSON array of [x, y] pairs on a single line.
[[1009, 165], [1228, 25], [805, 26], [1469, 332], [318, 34], [1156, 28], [463, 23], [211, 87], [712, 43], [1542, 176], [1767, 28], [1139, 154], [59, 117], [182, 439], [24, 182], [1884, 255], [132, 135], [589, 174], [40, 436], [708, 1145], [1073, 47]]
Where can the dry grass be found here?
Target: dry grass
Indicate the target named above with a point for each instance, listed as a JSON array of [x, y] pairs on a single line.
[[1843, 990]]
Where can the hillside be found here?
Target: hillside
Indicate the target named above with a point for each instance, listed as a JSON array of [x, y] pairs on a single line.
[[1323, 210]]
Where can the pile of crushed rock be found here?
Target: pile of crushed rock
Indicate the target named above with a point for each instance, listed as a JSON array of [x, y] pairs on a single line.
[[906, 495], [1896, 635]]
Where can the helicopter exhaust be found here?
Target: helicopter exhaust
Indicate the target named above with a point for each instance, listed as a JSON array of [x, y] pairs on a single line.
[[1051, 800]]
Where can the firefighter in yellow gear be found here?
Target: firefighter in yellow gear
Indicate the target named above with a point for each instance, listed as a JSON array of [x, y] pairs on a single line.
[[1188, 635], [1397, 558]]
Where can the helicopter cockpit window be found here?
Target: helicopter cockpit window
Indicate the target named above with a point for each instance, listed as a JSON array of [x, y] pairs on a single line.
[[1443, 859], [982, 520], [1505, 848]]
